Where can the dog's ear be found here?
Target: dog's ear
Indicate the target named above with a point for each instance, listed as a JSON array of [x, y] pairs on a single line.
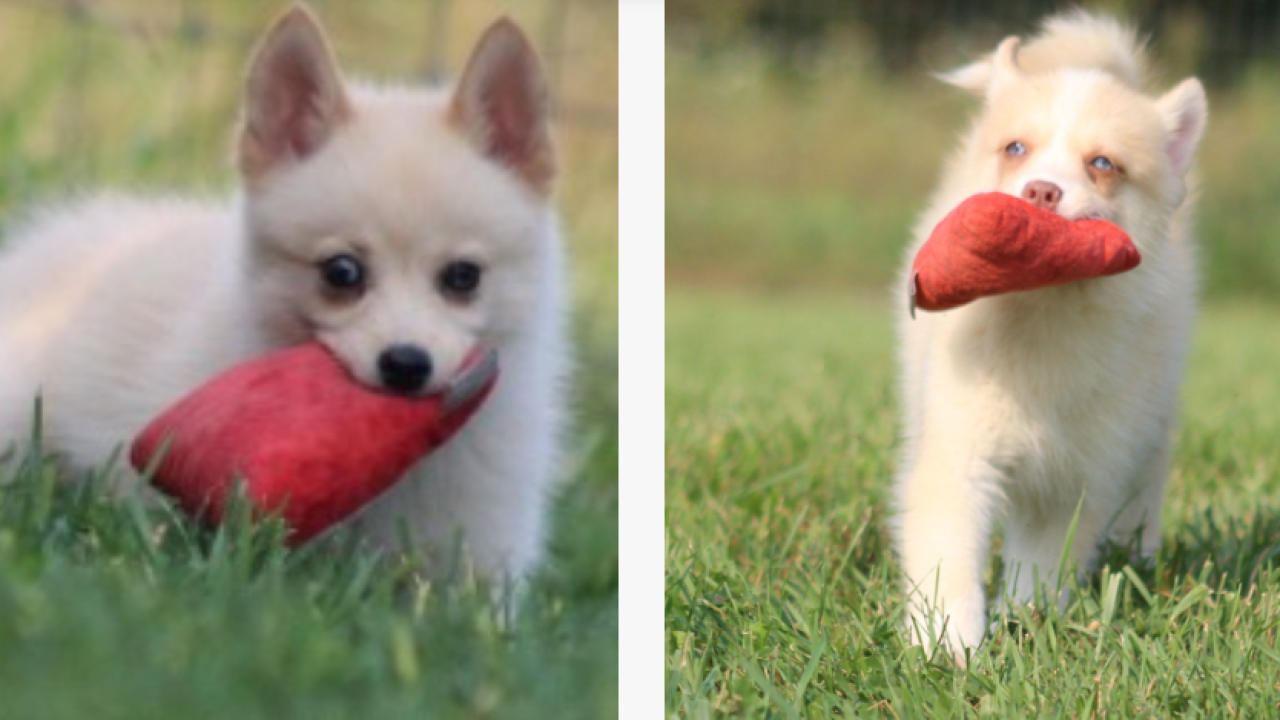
[[502, 105], [980, 77], [294, 97], [1185, 111]]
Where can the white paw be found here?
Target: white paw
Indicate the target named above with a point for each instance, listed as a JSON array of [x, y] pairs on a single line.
[[959, 629]]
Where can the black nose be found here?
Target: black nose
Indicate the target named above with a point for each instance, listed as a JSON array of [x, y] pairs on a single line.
[[404, 368]]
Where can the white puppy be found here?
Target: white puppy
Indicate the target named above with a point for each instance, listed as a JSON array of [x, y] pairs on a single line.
[[1025, 406], [400, 227]]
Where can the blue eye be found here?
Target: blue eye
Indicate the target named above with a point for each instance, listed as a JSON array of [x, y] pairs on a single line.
[[1102, 163], [1015, 149]]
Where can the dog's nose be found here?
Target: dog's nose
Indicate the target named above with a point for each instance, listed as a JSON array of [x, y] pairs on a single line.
[[1042, 194], [404, 368]]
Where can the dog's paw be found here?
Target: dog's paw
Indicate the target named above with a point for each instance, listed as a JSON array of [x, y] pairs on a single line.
[[957, 631]]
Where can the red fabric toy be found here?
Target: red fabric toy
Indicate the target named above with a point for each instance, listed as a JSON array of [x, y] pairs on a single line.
[[309, 443], [994, 243]]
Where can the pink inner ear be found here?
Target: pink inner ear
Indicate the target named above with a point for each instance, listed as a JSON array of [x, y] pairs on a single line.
[[510, 115], [500, 104], [1181, 143], [304, 129], [294, 122]]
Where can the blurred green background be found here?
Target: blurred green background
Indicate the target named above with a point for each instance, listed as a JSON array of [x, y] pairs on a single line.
[[804, 137]]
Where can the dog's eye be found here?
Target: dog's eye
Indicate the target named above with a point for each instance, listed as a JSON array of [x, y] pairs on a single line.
[[1102, 163], [1015, 149], [343, 272], [460, 279]]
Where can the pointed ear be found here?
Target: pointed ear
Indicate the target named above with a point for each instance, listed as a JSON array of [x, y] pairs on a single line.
[[502, 106], [979, 77], [294, 98], [1185, 112]]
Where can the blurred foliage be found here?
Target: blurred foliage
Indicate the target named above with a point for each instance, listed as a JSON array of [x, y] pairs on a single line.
[[1217, 40]]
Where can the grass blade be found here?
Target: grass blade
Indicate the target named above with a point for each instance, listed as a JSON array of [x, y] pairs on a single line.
[[1195, 596], [1138, 584]]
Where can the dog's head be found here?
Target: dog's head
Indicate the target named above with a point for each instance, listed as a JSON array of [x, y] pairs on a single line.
[[400, 227], [1081, 141]]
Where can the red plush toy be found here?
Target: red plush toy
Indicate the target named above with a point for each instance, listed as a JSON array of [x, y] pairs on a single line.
[[308, 443], [994, 243]]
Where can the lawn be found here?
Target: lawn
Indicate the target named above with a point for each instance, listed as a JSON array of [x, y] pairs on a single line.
[[781, 586], [112, 609]]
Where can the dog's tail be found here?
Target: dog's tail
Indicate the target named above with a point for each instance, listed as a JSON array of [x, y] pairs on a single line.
[[1076, 39]]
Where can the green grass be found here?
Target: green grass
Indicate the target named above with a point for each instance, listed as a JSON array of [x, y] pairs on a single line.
[[781, 586], [110, 610]]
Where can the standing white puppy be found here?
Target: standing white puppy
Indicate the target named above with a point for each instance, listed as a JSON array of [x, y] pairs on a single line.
[[400, 227], [1024, 406]]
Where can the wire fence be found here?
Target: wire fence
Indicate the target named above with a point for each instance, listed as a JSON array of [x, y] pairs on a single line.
[[1219, 40]]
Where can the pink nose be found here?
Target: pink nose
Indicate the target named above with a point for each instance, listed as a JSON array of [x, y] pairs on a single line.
[[1042, 194]]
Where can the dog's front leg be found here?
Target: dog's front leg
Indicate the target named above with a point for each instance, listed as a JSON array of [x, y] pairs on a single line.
[[946, 511], [1139, 518]]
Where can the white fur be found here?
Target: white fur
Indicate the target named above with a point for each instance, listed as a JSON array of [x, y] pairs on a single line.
[[1020, 407], [115, 307]]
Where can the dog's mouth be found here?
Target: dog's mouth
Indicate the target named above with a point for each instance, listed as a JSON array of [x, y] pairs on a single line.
[[453, 386], [477, 372]]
